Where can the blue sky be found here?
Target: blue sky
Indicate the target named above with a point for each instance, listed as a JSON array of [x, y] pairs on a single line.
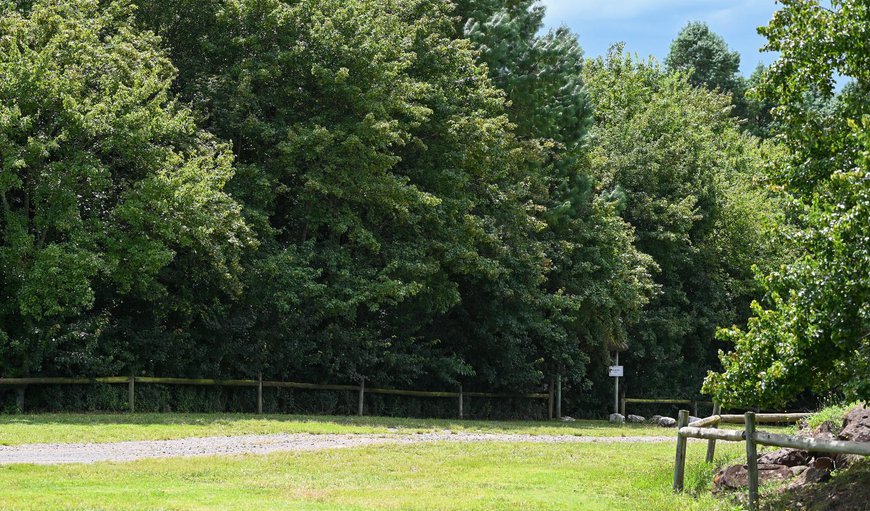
[[648, 26]]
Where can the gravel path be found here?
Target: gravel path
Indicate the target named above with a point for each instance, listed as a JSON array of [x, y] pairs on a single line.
[[52, 454]]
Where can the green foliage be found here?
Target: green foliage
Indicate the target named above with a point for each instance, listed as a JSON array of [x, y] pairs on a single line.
[[704, 56], [107, 188], [407, 190], [811, 331], [596, 281], [690, 182], [833, 414]]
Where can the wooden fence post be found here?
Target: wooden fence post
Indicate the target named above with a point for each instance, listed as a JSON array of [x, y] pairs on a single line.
[[19, 398], [362, 391], [694, 408], [460, 402], [751, 461], [680, 458], [131, 393], [260, 393], [711, 444], [550, 399], [558, 396], [622, 406]]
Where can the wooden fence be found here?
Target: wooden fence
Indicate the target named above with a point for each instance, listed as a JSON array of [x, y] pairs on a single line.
[[706, 429], [663, 401], [259, 383]]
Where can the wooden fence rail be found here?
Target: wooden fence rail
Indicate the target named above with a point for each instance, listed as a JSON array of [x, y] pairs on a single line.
[[752, 437], [662, 401], [259, 383]]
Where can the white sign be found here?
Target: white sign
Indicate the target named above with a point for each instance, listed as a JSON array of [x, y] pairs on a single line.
[[616, 371]]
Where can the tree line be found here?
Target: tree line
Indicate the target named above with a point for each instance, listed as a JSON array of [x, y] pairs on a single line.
[[419, 192]]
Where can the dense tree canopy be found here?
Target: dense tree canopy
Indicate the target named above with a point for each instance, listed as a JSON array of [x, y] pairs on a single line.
[[410, 191], [689, 182], [110, 195], [705, 57], [815, 319]]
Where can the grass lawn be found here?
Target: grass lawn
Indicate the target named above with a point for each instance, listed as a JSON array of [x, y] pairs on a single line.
[[20, 429], [481, 476]]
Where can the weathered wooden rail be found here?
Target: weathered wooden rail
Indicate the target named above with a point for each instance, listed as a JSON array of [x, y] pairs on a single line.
[[706, 429], [662, 401], [259, 383]]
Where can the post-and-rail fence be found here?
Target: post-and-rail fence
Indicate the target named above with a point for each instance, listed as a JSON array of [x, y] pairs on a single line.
[[706, 428], [259, 383]]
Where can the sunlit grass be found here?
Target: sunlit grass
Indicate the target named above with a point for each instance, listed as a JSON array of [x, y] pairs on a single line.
[[439, 476]]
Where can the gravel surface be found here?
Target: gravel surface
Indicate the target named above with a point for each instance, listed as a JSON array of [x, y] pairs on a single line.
[[52, 454]]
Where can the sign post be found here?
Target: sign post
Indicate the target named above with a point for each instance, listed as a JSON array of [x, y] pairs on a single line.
[[615, 372]]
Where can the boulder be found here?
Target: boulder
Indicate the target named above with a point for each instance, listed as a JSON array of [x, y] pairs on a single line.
[[655, 419], [818, 471], [787, 457], [809, 476], [797, 470], [667, 422], [737, 476], [824, 430], [635, 418], [823, 463], [856, 425], [617, 418], [692, 419], [568, 418]]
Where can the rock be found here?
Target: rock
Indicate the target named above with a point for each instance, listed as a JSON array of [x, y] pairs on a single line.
[[817, 472], [823, 463], [787, 457], [617, 418], [655, 419], [809, 476], [568, 418], [693, 419], [737, 476], [797, 470], [824, 430], [635, 418], [856, 425], [667, 422]]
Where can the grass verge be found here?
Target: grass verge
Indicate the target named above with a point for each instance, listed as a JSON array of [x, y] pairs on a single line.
[[439, 476]]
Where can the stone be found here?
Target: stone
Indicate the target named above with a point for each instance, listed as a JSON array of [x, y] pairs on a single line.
[[797, 470], [667, 422], [655, 419], [617, 418], [824, 430], [737, 476], [568, 418], [810, 476], [856, 425], [787, 457], [823, 463], [818, 471], [693, 419], [635, 418]]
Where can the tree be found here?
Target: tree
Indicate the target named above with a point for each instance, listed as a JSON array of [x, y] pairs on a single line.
[[596, 281], [812, 331], [109, 192], [689, 182], [705, 56], [377, 164]]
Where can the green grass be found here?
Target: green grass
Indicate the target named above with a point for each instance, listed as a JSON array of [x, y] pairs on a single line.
[[833, 414], [20, 429], [440, 476]]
